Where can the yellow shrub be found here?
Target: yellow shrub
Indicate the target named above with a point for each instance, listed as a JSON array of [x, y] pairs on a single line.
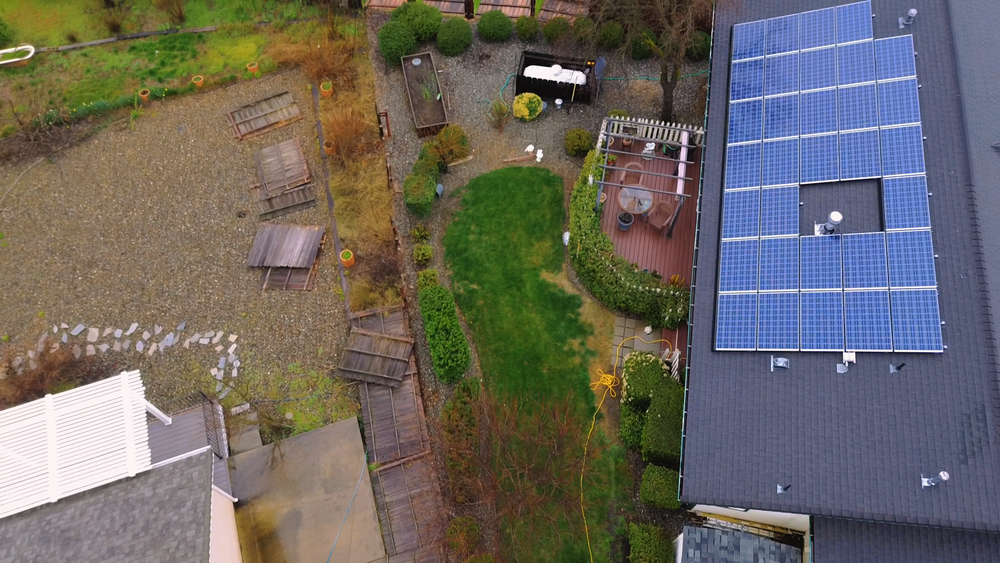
[[527, 106]]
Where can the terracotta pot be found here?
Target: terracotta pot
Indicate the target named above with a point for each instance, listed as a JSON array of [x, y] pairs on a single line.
[[328, 147], [253, 69], [198, 80], [347, 258], [144, 95], [326, 89]]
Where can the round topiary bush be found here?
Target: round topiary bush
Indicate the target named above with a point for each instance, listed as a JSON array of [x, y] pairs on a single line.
[[454, 37], [494, 27], [424, 20], [6, 33], [584, 30], [578, 142], [527, 28], [610, 35], [638, 45], [555, 29], [700, 46], [396, 40], [527, 106]]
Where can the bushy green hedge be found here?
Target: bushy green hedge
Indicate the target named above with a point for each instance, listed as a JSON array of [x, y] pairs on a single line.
[[418, 194], [396, 40], [638, 45], [630, 425], [460, 426], [661, 437], [423, 19], [527, 28], [422, 254], [584, 30], [454, 37], [6, 33], [659, 487], [610, 35], [700, 46], [427, 278], [648, 544], [643, 376], [452, 144], [555, 29], [578, 141], [449, 347], [494, 27], [610, 278]]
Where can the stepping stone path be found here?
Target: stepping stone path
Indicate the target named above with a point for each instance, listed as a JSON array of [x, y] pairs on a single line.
[[626, 328]]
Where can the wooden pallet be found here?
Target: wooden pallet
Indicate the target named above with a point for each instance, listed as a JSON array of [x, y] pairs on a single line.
[[263, 116], [376, 358]]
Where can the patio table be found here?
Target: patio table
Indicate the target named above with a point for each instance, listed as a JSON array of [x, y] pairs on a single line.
[[635, 200]]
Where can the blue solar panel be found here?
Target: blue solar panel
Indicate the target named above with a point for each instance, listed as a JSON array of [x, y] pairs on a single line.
[[745, 121], [821, 265], [781, 162], [747, 80], [778, 321], [818, 69], [857, 107], [779, 264], [904, 201], [894, 57], [781, 117], [898, 103], [783, 34], [818, 112], [855, 63], [738, 265], [781, 75], [859, 155], [916, 321], [779, 211], [819, 159], [817, 28], [911, 259], [902, 151], [741, 214], [822, 321], [854, 22], [864, 261], [736, 328], [748, 40], [743, 166], [867, 321]]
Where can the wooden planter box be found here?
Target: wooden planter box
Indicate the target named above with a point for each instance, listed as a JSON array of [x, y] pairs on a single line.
[[423, 90]]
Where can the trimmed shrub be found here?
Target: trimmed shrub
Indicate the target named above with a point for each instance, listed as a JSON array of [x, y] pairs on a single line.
[[612, 279], [638, 45], [610, 35], [422, 254], [422, 19], [578, 142], [452, 144], [463, 535], [418, 194], [648, 544], [6, 33], [584, 30], [454, 37], [396, 40], [527, 28], [427, 278], [630, 425], [420, 233], [659, 487], [449, 347], [555, 29], [460, 426], [700, 46], [430, 158], [494, 27], [527, 106], [643, 376], [661, 437]]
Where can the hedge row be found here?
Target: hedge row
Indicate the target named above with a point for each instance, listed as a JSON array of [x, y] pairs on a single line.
[[659, 487], [449, 347], [612, 279], [460, 426], [630, 425], [648, 544], [653, 408], [420, 187], [643, 374], [661, 436]]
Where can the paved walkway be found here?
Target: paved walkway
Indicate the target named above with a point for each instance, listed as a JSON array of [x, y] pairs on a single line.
[[626, 328]]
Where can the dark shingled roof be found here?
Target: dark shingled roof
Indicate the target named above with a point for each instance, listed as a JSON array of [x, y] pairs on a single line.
[[847, 541], [707, 545], [855, 445], [160, 516]]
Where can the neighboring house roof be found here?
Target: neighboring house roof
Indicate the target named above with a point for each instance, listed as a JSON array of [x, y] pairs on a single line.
[[159, 516], [708, 545], [836, 540], [196, 423], [854, 445]]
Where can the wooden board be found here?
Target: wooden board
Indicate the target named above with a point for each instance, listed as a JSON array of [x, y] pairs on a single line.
[[263, 116], [376, 358], [289, 201], [570, 9], [281, 167], [385, 320], [395, 427], [296, 279], [511, 8], [286, 246], [408, 501]]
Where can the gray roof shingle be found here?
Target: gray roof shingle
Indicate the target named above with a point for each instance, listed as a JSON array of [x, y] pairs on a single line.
[[160, 516], [847, 541], [854, 445], [708, 545]]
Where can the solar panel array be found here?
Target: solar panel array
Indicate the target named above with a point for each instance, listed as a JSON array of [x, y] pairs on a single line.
[[814, 98]]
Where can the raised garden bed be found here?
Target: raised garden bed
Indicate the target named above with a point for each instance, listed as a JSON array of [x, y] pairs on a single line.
[[423, 89]]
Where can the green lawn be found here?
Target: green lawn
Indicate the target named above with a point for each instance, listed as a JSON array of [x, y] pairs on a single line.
[[530, 336]]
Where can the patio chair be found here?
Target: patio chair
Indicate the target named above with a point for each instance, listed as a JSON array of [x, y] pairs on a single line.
[[632, 174], [661, 213]]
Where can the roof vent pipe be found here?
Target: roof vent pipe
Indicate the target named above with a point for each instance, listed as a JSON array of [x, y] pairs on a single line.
[[908, 20], [830, 226], [933, 481]]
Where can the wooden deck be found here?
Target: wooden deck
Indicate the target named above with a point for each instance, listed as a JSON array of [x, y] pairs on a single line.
[[569, 9], [395, 427], [387, 320], [511, 8], [410, 510], [376, 358], [446, 6]]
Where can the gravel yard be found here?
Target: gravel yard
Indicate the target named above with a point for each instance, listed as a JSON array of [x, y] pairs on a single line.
[[153, 225]]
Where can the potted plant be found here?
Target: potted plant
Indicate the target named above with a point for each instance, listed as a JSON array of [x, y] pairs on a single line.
[[144, 95], [326, 88], [347, 258], [252, 68], [198, 80], [625, 220], [328, 147], [612, 159]]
